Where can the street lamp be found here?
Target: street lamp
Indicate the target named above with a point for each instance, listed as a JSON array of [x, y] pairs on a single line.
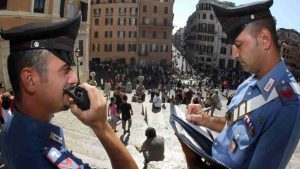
[[77, 56]]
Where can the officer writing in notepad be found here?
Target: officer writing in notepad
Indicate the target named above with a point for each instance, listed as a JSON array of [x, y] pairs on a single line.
[[262, 123], [39, 67]]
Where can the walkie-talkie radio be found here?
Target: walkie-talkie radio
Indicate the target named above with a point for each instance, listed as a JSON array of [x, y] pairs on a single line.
[[80, 96]]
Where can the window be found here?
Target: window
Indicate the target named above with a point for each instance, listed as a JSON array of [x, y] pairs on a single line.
[[223, 50], [108, 47], [166, 10], [97, 1], [164, 35], [96, 21], [154, 35], [155, 9], [203, 27], [61, 10], [143, 48], [38, 6], [132, 47], [84, 11], [122, 11], [165, 21], [143, 20], [144, 8], [204, 16], [97, 12], [154, 47], [122, 21], [3, 4], [224, 40], [94, 46], [121, 47], [80, 45], [154, 21], [96, 34], [122, 1], [133, 1], [108, 34], [71, 10], [210, 49], [132, 34], [211, 17], [132, 21], [202, 49], [164, 48], [108, 21], [133, 11], [211, 28], [109, 11], [143, 34], [121, 34]]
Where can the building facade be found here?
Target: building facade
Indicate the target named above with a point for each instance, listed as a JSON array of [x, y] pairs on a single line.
[[15, 13], [289, 44], [135, 32], [206, 44], [178, 39]]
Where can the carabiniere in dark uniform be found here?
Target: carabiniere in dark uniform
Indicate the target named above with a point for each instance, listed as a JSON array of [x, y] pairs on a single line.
[[36, 144]]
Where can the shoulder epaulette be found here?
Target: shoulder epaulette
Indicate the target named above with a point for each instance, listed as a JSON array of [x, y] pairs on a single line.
[[60, 159], [288, 91]]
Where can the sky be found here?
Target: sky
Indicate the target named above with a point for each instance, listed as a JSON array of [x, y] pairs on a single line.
[[286, 12]]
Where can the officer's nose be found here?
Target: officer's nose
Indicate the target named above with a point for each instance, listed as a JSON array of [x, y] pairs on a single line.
[[235, 52], [72, 78]]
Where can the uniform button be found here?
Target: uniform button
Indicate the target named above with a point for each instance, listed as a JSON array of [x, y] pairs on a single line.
[[237, 136], [249, 93], [260, 119]]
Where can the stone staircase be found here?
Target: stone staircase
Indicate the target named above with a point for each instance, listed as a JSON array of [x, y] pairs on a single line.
[[81, 140], [85, 145]]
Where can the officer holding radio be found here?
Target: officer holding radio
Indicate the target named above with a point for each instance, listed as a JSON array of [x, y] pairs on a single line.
[[39, 67], [263, 119]]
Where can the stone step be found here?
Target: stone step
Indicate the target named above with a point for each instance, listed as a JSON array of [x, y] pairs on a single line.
[[85, 138], [94, 163]]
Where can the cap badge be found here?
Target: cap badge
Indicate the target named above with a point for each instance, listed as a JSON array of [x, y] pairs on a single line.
[[252, 16], [36, 44]]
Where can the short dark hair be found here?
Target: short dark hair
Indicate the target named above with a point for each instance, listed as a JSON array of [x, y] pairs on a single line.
[[17, 61], [150, 132], [112, 99], [125, 97], [6, 102], [270, 24]]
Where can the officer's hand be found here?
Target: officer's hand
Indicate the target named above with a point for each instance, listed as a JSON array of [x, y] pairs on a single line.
[[193, 115], [97, 113]]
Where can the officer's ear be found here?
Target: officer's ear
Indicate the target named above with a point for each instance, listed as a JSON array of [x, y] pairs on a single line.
[[28, 79], [265, 38]]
